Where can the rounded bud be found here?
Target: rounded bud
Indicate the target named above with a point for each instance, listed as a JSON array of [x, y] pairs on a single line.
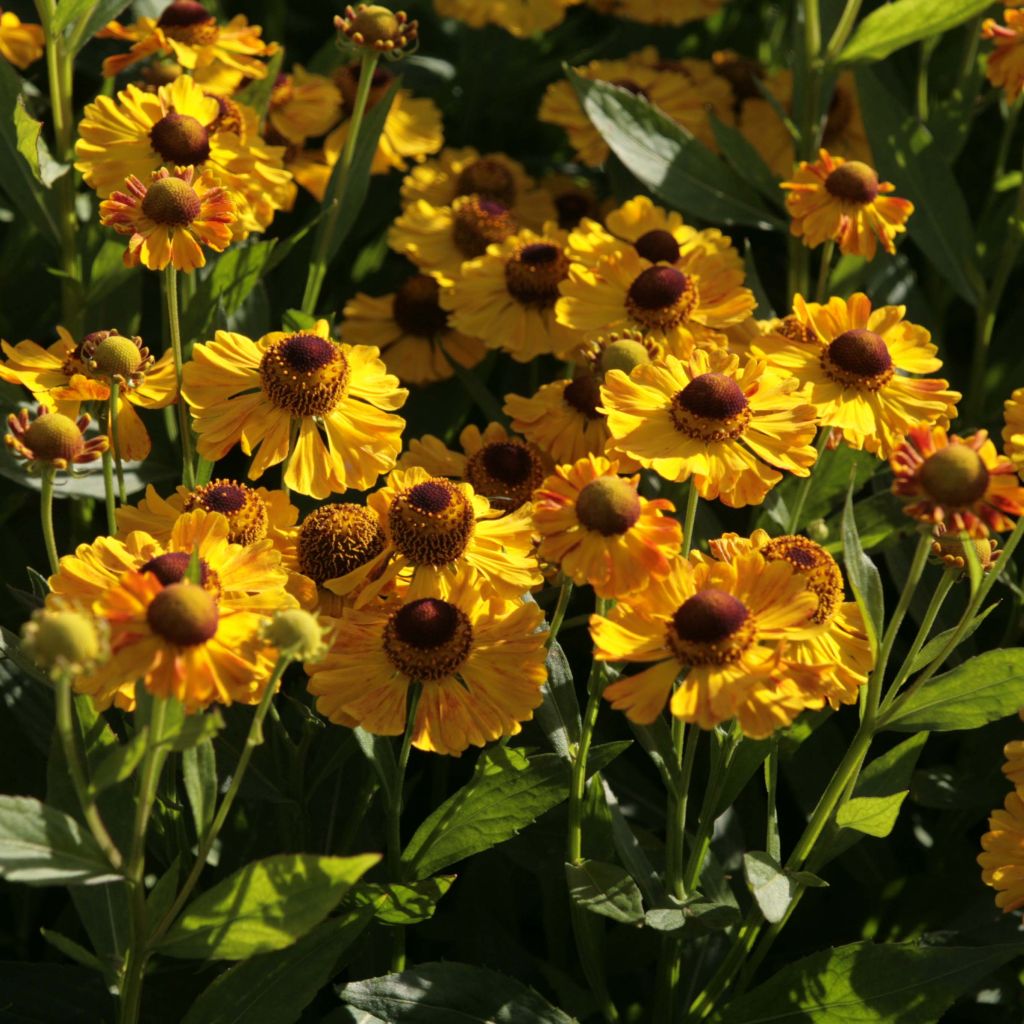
[[624, 356], [171, 202], [63, 640], [297, 633], [853, 182], [183, 614], [955, 476], [116, 356], [608, 505], [54, 437]]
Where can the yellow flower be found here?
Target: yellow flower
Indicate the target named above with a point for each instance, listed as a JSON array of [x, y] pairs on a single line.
[[1005, 65], [373, 27], [412, 330], [1002, 859], [855, 364], [503, 468], [674, 94], [678, 306], [732, 430], [435, 528], [51, 439], [723, 627], [507, 297], [168, 219], [520, 18], [574, 198], [597, 529], [1013, 767], [21, 43], [657, 12], [182, 126], [842, 643], [64, 375], [303, 105], [962, 483], [480, 665], [843, 201], [253, 392], [188, 32], [1013, 429]]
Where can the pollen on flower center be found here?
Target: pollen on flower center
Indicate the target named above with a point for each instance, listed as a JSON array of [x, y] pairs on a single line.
[[183, 614], [505, 472], [54, 436], [858, 358], [533, 273], [244, 509], [853, 182], [955, 476], [416, 308], [661, 297], [431, 523], [428, 639], [336, 539], [608, 505], [171, 202], [171, 568], [658, 246], [583, 394], [712, 627], [477, 222], [489, 179], [116, 357], [305, 374], [816, 566], [180, 140]]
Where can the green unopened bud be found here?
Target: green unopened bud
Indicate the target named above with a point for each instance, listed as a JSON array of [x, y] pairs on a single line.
[[298, 633], [60, 640]]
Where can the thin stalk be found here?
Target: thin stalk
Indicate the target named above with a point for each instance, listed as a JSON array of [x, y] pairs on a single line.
[[805, 484], [558, 616], [842, 30], [690, 516], [812, 78], [318, 262], [170, 288], [824, 267], [46, 515], [114, 403], [109, 499]]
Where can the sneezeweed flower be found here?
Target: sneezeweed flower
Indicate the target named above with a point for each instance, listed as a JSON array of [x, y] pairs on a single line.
[[416, 341], [957, 550], [65, 374], [719, 630], [574, 198], [507, 297], [503, 468], [731, 429], [842, 642], [303, 105], [597, 529], [522, 19], [21, 43], [961, 482], [479, 663], [680, 306], [495, 176], [51, 440], [64, 641], [1002, 856], [436, 528], [253, 392], [376, 28], [170, 220], [1005, 65], [833, 199], [855, 364], [1013, 429], [190, 34], [1013, 766]]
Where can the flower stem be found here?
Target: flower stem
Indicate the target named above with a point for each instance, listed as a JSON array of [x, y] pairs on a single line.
[[318, 262], [109, 500], [842, 30], [46, 514], [115, 439], [558, 616], [690, 516], [170, 287]]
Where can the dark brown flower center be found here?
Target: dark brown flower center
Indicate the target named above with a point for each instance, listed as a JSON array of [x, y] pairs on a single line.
[[478, 222], [308, 352], [609, 505], [572, 207], [709, 617], [183, 614], [335, 539], [171, 568], [533, 274], [244, 509], [658, 246], [860, 353], [431, 496], [853, 182], [305, 374], [183, 13], [815, 565], [583, 393], [712, 396], [955, 476], [427, 622], [416, 308], [489, 178], [431, 523], [658, 288], [180, 140], [508, 461], [505, 472], [428, 639]]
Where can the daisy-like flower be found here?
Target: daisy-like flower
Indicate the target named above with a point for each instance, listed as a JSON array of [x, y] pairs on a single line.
[[574, 198], [1005, 65], [373, 27], [961, 482], [504, 469], [51, 439], [65, 374], [410, 327], [303, 105], [1013, 766], [168, 219], [521, 19], [1013, 429], [674, 94], [21, 43], [479, 663], [435, 528], [731, 429], [843, 201], [189, 33], [597, 529], [254, 392], [656, 12], [1002, 856], [183, 126], [463, 172], [842, 642], [855, 362], [678, 305], [507, 297], [720, 629]]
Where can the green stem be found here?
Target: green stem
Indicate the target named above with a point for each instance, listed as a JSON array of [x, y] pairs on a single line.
[[318, 262], [812, 83], [797, 270], [558, 616], [170, 287], [690, 516], [842, 30], [46, 515], [805, 484], [827, 251], [115, 441], [109, 500]]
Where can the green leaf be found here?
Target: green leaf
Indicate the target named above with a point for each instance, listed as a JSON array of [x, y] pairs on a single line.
[[380, 752], [701, 910], [264, 906], [119, 764], [84, 18], [872, 815], [199, 770], [906, 154], [746, 161], [656, 739], [630, 852], [257, 93], [40, 845], [865, 580], [193, 730], [274, 988], [445, 993], [772, 888], [71, 949], [937, 644], [27, 130], [981, 690], [605, 889], [507, 792], [895, 25], [668, 160], [559, 714], [402, 904], [868, 984]]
